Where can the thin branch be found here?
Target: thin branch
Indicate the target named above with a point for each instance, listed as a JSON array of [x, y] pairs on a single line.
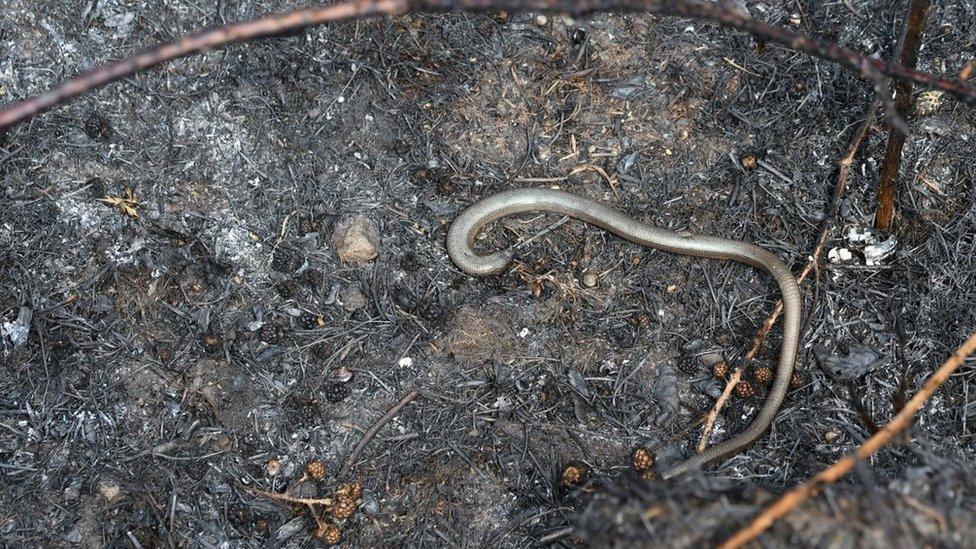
[[844, 168], [869, 68], [289, 499], [888, 179], [788, 501], [389, 415]]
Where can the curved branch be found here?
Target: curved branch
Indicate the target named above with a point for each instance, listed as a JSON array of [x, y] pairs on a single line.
[[869, 68]]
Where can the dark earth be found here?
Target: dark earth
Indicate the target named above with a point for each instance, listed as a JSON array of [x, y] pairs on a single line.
[[180, 334]]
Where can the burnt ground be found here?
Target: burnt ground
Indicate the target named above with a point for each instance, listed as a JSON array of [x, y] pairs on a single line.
[[176, 360]]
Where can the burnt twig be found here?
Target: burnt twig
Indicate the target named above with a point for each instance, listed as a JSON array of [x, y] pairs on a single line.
[[900, 422], [888, 180], [869, 68], [389, 415]]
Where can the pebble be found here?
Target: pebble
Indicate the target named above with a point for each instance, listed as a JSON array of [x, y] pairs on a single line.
[[110, 490], [352, 298], [356, 239]]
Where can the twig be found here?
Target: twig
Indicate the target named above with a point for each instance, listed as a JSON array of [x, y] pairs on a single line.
[[902, 420], [888, 179], [289, 499], [844, 168], [869, 68], [717, 408], [389, 415]]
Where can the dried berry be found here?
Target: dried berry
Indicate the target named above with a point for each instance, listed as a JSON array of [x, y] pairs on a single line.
[[347, 498], [749, 160], [315, 469], [641, 459], [797, 380], [329, 533], [575, 474], [337, 392], [720, 369], [744, 389], [762, 375], [352, 491], [649, 475], [342, 510]]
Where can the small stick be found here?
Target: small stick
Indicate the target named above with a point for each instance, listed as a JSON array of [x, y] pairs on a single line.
[[844, 168], [288, 499], [389, 415], [788, 501], [888, 178]]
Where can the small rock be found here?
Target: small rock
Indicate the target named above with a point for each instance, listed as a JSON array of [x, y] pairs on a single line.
[[110, 490], [290, 528], [356, 239], [541, 20], [71, 493], [590, 279], [352, 298]]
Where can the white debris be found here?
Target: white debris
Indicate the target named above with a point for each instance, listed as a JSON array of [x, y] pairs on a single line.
[[16, 332], [839, 255], [874, 254], [859, 234]]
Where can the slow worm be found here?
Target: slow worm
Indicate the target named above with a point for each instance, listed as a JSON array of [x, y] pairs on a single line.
[[460, 246]]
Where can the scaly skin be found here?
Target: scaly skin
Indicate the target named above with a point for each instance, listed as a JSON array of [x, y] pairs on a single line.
[[460, 242]]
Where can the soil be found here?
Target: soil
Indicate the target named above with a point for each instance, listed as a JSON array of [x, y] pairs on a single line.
[[194, 338]]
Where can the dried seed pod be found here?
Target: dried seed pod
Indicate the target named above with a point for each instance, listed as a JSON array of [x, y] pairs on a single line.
[[720, 369], [749, 160], [343, 509], [762, 375], [744, 389], [337, 392], [575, 474], [315, 469], [642, 459], [928, 103], [797, 380], [329, 533], [352, 491]]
